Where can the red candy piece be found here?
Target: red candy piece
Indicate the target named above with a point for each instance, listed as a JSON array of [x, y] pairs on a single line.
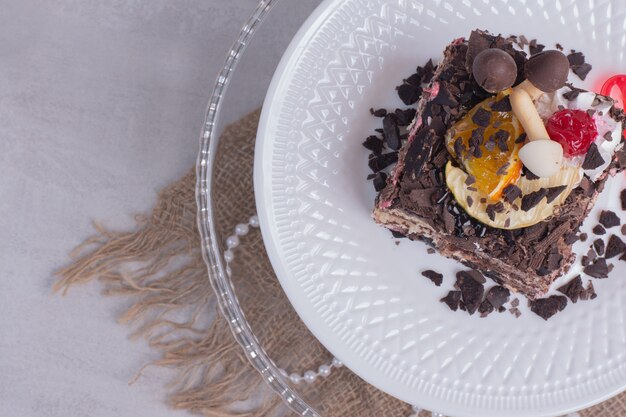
[[575, 130]]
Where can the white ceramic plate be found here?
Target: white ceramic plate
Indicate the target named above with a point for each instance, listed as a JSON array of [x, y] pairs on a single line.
[[360, 293]]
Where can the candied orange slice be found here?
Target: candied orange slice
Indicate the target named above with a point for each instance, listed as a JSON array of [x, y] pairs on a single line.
[[485, 142]]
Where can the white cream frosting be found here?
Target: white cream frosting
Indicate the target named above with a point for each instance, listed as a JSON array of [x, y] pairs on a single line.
[[550, 103]]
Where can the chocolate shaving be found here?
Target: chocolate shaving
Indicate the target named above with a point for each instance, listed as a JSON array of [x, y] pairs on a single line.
[[492, 209], [374, 144], [531, 200], [485, 308], [502, 105], [614, 247], [404, 117], [521, 138], [622, 197], [578, 65], [573, 289], [392, 132], [598, 269], [409, 94], [470, 180], [380, 162], [548, 307], [535, 47], [511, 193], [378, 113], [598, 230], [498, 296], [529, 175], [452, 300], [598, 246], [608, 136], [470, 201], [435, 277], [593, 159], [502, 136], [481, 117], [380, 181], [554, 192], [609, 219], [472, 289], [582, 70]]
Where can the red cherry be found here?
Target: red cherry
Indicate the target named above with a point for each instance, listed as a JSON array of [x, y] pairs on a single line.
[[575, 130]]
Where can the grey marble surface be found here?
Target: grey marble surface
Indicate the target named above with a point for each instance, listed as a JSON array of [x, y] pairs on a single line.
[[101, 104]]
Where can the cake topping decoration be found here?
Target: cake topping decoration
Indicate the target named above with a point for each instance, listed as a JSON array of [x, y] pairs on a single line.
[[575, 130], [494, 70], [547, 70]]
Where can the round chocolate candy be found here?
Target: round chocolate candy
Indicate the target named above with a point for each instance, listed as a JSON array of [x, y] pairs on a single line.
[[494, 70], [547, 70]]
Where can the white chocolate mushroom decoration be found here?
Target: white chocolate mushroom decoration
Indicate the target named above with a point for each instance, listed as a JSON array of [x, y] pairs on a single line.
[[546, 72]]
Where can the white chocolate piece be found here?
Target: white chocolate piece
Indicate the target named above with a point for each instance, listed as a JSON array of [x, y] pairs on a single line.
[[543, 157]]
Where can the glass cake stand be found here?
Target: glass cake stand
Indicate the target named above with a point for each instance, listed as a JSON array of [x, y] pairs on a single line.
[[240, 88]]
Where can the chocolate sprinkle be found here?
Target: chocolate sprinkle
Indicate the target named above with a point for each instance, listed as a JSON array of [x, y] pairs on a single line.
[[593, 159], [573, 289], [598, 269], [554, 192], [435, 277], [615, 247], [609, 219], [498, 296], [531, 200], [452, 300], [481, 117], [598, 245], [598, 230], [548, 307]]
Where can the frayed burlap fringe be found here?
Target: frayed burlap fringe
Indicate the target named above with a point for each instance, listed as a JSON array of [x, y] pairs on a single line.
[[160, 268]]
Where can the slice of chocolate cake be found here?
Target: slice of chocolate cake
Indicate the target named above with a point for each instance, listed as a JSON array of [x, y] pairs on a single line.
[[418, 202]]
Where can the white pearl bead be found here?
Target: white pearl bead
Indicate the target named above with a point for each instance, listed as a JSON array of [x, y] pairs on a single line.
[[241, 229], [254, 221], [229, 256], [295, 378], [324, 370], [232, 242], [310, 376], [337, 363]]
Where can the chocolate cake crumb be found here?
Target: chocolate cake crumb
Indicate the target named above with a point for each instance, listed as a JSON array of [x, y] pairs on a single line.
[[548, 307], [593, 159], [435, 277], [554, 192], [515, 302], [598, 245], [380, 162], [498, 296], [431, 251], [583, 237], [573, 289], [481, 117], [598, 230], [485, 308], [502, 105], [511, 193], [598, 269], [374, 144], [623, 199], [380, 181], [392, 132], [378, 112], [452, 300], [609, 219], [531, 200], [515, 311], [614, 247], [589, 293], [472, 289]]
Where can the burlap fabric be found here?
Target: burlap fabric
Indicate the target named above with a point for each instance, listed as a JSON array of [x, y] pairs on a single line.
[[159, 265]]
